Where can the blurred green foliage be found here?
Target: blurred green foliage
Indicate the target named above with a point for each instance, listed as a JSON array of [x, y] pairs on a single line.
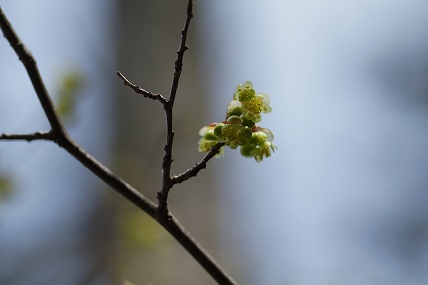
[[70, 85], [126, 282], [139, 231], [6, 186]]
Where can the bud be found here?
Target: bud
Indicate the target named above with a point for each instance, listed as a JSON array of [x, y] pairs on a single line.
[[247, 122], [234, 109], [234, 120], [217, 129]]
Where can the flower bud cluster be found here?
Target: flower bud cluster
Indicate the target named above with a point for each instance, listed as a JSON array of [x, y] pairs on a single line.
[[240, 127]]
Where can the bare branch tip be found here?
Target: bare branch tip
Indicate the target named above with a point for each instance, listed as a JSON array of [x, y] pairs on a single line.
[[125, 80]]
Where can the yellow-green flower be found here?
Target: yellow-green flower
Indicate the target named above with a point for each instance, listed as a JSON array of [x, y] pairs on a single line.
[[263, 150], [255, 105], [205, 145], [232, 135], [209, 139], [259, 145], [244, 91], [240, 127], [207, 132], [252, 104]]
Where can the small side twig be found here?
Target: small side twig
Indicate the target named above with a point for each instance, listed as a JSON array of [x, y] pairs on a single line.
[[192, 172], [27, 137], [139, 90]]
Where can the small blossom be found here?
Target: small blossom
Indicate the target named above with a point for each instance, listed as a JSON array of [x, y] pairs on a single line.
[[231, 135], [205, 145], [244, 91], [255, 105], [258, 137], [268, 133], [209, 139], [208, 132], [248, 102], [264, 150], [259, 145]]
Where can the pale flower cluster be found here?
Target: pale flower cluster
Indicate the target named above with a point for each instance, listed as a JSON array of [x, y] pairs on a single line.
[[240, 128]]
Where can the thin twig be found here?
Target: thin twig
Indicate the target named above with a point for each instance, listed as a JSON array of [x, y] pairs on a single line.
[[181, 51], [167, 159], [27, 137], [192, 172], [139, 90]]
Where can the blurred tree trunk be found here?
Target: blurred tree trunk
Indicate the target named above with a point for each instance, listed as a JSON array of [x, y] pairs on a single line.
[[148, 40]]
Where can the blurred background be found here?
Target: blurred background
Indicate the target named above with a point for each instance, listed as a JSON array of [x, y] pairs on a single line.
[[342, 201]]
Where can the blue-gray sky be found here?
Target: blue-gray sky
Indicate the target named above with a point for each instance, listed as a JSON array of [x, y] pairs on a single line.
[[343, 199], [42, 216]]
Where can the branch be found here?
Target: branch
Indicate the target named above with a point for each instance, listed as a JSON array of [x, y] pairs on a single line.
[[59, 135], [105, 174], [33, 72], [139, 90], [180, 52], [192, 246], [167, 159], [27, 137], [192, 172]]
